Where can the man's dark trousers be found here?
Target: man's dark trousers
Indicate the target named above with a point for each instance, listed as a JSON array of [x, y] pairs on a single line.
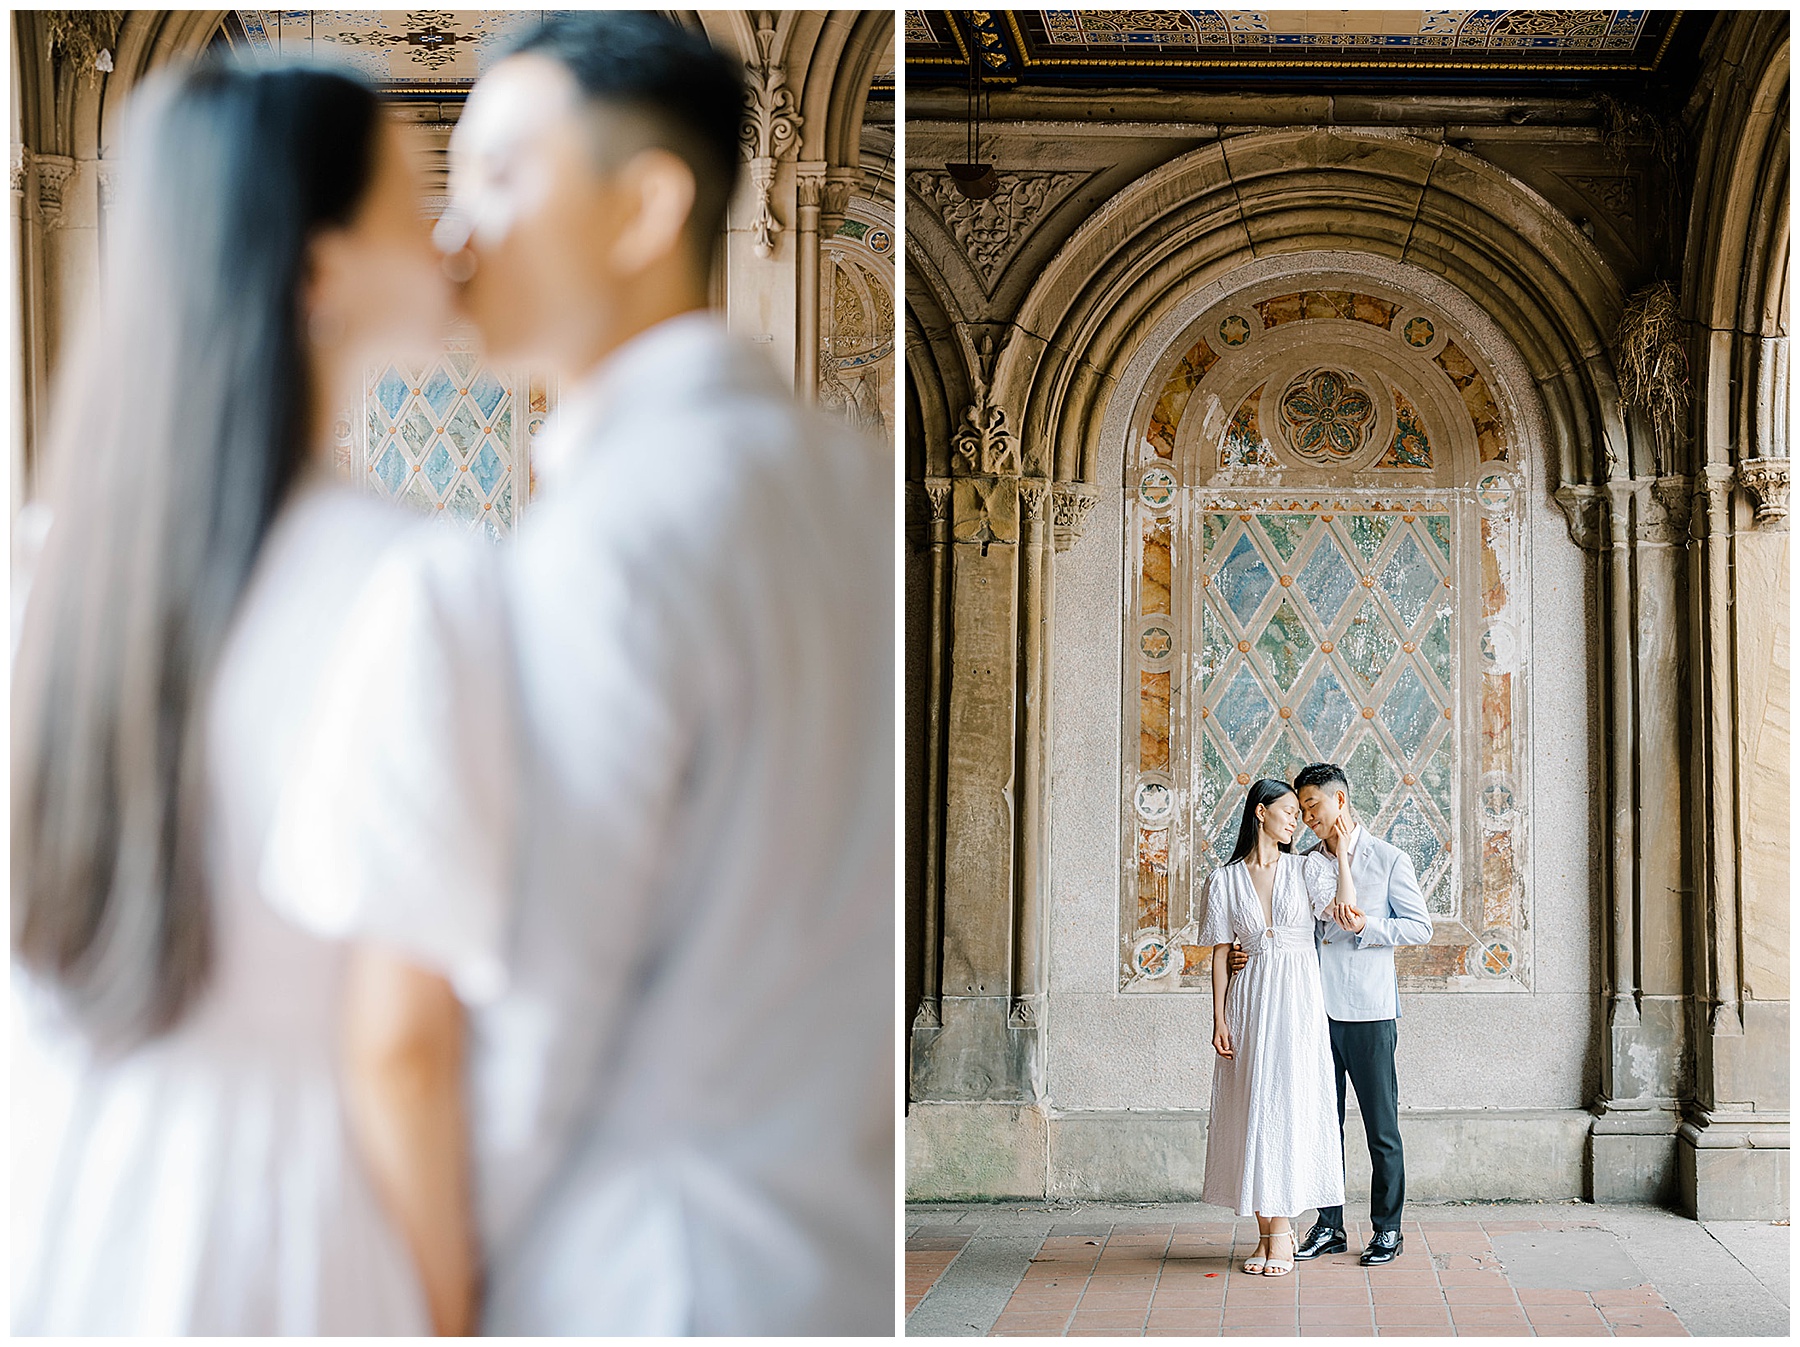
[[1363, 1051]]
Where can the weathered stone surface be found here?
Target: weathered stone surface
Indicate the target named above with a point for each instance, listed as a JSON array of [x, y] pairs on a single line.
[[953, 1150], [960, 1151]]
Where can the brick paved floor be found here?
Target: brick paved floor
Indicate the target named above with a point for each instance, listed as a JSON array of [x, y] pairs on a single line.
[[1165, 1272]]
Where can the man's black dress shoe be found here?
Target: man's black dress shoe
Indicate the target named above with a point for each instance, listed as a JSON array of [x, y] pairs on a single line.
[[1322, 1239], [1384, 1248]]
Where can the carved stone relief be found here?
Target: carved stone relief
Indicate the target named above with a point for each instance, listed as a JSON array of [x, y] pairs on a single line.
[[1766, 482], [991, 231], [771, 130]]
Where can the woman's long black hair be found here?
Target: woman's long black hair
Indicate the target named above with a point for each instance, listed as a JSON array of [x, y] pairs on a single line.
[[1266, 791], [180, 431]]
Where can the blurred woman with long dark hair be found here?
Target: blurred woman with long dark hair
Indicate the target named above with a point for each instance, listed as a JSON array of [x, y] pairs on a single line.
[[1272, 1143], [202, 1172]]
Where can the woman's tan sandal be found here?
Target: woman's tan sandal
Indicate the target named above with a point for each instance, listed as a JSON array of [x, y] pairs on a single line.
[[1277, 1267]]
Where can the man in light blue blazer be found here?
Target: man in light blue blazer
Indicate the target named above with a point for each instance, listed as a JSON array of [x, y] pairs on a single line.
[[1362, 1001]]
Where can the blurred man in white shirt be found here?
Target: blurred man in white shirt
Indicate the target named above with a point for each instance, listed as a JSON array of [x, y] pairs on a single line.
[[649, 747]]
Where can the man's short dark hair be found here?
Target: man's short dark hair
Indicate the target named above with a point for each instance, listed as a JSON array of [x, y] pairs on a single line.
[[690, 91], [1324, 775]]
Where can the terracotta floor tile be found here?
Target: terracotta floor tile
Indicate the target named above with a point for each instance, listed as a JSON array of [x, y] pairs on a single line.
[[1409, 1315], [1534, 1296], [1195, 1317], [1363, 1332], [1117, 1322], [1316, 1315], [1678, 1330], [1407, 1295], [1186, 1298], [1471, 1277], [1121, 1281], [1244, 1317], [1637, 1295], [1487, 1314], [1492, 1331], [1043, 1323], [1499, 1293], [1333, 1295], [1408, 1331], [1563, 1316]]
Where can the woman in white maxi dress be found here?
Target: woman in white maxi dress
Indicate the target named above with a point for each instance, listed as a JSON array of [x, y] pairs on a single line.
[[182, 1158], [1272, 1139]]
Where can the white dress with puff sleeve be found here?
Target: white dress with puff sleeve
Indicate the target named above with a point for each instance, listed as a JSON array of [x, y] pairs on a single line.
[[1272, 1143]]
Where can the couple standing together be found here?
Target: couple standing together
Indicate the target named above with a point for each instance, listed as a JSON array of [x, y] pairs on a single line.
[[1305, 992], [415, 934]]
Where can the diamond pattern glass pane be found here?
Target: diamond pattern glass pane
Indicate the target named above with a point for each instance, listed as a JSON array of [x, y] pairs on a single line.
[[1215, 777], [1410, 581], [1368, 645], [1412, 833], [1435, 778], [1368, 532], [1437, 528], [1284, 531], [1327, 580], [440, 439], [1244, 580], [1348, 629], [1215, 641], [1243, 712], [1436, 647], [1326, 712], [1372, 777], [1285, 759], [1285, 644], [1410, 712]]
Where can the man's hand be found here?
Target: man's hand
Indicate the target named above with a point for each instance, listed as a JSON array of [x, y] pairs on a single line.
[[1350, 918], [1237, 961]]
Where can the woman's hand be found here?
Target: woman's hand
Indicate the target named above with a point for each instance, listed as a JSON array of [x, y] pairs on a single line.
[[1346, 916], [1222, 1040]]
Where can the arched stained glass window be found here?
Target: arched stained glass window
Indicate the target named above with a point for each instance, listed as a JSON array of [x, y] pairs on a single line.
[[1322, 544]]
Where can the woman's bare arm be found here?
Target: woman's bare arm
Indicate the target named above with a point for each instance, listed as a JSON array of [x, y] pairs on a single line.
[[403, 1058], [1221, 976]]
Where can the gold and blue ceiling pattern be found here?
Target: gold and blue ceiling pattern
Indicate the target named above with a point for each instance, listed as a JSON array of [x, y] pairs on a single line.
[[400, 49], [1198, 45]]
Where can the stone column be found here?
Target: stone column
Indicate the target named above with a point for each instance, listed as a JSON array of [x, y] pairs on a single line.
[[987, 1043], [937, 494], [1733, 1143], [1030, 845], [810, 183]]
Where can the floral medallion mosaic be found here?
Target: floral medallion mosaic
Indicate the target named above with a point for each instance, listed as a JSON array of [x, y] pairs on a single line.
[[1316, 616], [1328, 414]]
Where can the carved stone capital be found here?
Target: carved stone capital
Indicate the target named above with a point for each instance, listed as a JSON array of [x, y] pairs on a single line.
[[1033, 492], [53, 174], [809, 185], [1765, 481], [1071, 504], [1584, 507], [1663, 506], [834, 201], [928, 1016], [21, 166], [928, 511]]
